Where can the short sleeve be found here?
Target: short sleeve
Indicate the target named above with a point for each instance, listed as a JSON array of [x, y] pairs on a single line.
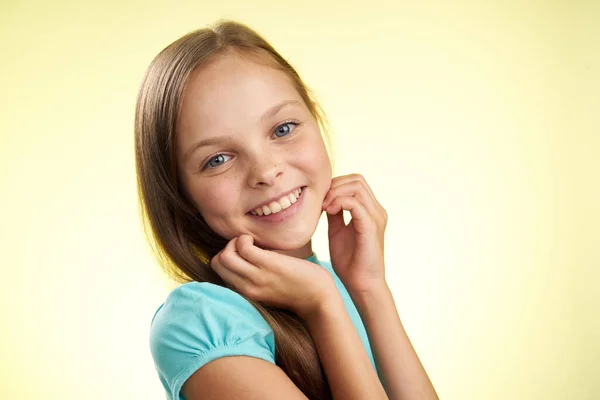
[[200, 322]]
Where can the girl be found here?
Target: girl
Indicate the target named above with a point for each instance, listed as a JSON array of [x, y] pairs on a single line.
[[233, 175]]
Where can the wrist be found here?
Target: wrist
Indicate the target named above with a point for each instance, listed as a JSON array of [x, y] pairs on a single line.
[[368, 287], [372, 295], [328, 304]]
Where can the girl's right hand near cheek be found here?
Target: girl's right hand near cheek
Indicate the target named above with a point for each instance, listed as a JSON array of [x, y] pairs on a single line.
[[274, 279]]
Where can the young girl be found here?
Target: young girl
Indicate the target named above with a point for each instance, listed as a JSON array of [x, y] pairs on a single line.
[[233, 175]]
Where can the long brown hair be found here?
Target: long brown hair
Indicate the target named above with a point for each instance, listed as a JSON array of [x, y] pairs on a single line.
[[181, 239]]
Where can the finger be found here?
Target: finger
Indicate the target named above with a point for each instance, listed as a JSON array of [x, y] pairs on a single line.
[[378, 209], [254, 254], [229, 276], [355, 189], [232, 260], [340, 180], [246, 248], [362, 220], [228, 247], [335, 222]]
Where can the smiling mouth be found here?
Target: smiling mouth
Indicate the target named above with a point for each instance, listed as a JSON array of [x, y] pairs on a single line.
[[280, 204]]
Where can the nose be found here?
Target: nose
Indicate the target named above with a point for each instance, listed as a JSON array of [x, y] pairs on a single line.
[[264, 173]]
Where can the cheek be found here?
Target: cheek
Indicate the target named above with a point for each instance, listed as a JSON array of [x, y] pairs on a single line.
[[215, 201], [317, 162]]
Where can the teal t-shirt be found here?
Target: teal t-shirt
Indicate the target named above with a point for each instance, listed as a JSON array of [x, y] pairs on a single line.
[[200, 322]]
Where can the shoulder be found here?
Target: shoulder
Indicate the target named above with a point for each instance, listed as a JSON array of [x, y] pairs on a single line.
[[200, 297], [200, 322]]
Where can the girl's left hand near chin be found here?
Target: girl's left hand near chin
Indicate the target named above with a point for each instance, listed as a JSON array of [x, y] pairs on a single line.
[[356, 249], [272, 278]]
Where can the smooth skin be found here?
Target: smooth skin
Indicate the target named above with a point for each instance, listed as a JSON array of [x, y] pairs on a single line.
[[245, 136], [260, 141], [357, 256]]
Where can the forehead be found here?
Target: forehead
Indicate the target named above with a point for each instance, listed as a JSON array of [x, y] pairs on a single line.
[[232, 91]]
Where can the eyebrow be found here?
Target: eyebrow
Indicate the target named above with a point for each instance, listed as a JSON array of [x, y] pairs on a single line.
[[271, 112]]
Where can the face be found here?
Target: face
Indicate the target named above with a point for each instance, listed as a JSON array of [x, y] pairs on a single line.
[[250, 155]]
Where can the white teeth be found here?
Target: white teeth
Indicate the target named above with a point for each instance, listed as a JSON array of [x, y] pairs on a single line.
[[279, 205], [275, 207], [285, 202]]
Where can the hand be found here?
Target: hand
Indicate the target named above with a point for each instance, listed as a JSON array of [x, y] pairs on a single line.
[[272, 278], [356, 249]]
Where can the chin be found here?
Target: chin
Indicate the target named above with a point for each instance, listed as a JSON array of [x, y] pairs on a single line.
[[283, 243], [287, 240]]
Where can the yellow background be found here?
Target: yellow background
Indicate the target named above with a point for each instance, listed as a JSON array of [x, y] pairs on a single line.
[[476, 123]]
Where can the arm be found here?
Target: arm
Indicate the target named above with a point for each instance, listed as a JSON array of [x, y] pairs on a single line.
[[401, 372], [347, 366], [346, 363], [240, 377], [309, 291], [357, 256]]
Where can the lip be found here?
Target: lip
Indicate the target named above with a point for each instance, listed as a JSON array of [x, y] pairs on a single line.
[[272, 199], [282, 215]]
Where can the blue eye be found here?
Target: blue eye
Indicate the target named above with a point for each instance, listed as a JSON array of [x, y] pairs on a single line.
[[217, 161], [285, 128]]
